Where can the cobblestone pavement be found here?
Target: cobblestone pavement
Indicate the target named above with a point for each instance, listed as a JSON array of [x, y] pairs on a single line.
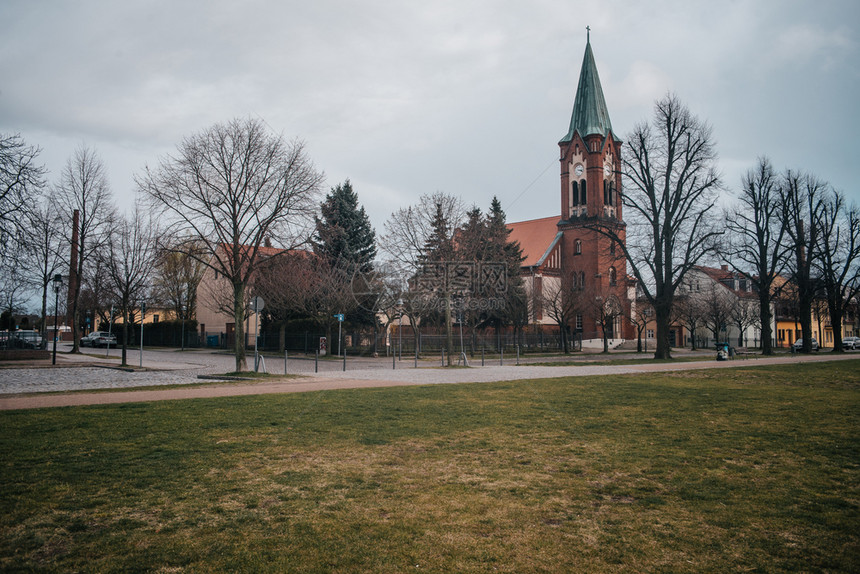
[[91, 371]]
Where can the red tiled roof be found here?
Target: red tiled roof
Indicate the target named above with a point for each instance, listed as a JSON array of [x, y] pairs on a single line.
[[535, 237]]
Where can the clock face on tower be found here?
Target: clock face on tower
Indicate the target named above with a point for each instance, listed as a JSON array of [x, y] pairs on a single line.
[[578, 169], [607, 168]]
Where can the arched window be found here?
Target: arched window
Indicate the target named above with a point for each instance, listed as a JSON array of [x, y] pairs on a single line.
[[582, 279], [612, 275], [612, 248], [611, 193], [577, 247], [606, 192], [573, 281], [583, 198], [575, 191]]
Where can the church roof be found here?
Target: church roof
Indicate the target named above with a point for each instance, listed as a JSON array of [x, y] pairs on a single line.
[[590, 114], [537, 237]]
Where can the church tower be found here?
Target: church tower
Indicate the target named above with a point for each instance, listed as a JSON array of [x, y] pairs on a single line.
[[590, 200]]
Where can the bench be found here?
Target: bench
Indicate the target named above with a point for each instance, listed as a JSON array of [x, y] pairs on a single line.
[[744, 352]]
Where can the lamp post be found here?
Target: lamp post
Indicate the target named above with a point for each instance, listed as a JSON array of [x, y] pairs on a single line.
[[142, 316], [58, 282], [182, 307]]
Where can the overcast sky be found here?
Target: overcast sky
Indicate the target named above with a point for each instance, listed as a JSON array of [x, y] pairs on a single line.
[[406, 98]]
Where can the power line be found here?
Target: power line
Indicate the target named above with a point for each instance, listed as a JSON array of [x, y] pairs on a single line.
[[529, 186]]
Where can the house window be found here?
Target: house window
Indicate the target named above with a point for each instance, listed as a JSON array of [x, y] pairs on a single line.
[[612, 248], [612, 275], [649, 333], [155, 318], [577, 247], [579, 322], [582, 279]]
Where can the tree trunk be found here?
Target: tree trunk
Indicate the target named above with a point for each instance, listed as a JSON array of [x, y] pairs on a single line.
[[836, 323], [662, 312], [282, 336], [125, 325], [449, 328], [45, 313], [239, 318], [765, 317]]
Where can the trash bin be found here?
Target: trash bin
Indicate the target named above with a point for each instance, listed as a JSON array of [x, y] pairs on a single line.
[[211, 340]]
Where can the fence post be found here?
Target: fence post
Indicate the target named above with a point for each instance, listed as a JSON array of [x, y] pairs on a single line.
[[317, 361], [518, 354], [501, 356], [393, 361], [416, 356], [344, 359], [482, 355], [443, 356], [285, 361]]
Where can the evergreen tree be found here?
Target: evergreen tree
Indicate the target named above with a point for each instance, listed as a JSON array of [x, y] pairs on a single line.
[[439, 246], [343, 234]]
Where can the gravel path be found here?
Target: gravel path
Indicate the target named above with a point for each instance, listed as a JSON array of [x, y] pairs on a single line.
[[29, 387]]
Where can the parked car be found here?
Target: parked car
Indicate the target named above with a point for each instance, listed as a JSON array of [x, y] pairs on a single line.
[[98, 339], [850, 343], [798, 345], [27, 339], [6, 340]]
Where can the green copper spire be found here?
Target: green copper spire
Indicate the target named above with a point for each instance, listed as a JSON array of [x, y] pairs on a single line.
[[590, 115]]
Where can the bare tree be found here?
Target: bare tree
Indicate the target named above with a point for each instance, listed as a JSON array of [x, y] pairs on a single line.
[[21, 182], [229, 189], [640, 313], [302, 284], [129, 261], [671, 187], [689, 311], [44, 237], [177, 275], [408, 229], [745, 314], [756, 230], [83, 187], [563, 299], [839, 264], [605, 309], [422, 234], [719, 304], [802, 198]]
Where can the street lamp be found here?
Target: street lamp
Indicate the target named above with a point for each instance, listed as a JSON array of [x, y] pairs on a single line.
[[58, 282], [182, 307]]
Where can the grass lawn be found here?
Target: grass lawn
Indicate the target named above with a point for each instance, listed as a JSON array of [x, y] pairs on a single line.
[[749, 469]]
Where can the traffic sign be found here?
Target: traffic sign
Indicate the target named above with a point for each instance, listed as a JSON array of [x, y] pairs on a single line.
[[339, 317]]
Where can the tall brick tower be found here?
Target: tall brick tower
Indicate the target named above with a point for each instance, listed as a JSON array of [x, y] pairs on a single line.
[[590, 199]]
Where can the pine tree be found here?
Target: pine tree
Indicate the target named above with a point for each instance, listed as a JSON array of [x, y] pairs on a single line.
[[345, 239], [343, 234]]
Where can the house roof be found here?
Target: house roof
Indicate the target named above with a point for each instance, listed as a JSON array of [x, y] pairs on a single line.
[[590, 114], [537, 237], [725, 278]]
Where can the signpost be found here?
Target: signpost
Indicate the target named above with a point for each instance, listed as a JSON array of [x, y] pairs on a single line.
[[258, 304], [339, 318]]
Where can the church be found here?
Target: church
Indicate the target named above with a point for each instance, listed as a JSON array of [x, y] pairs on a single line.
[[568, 260]]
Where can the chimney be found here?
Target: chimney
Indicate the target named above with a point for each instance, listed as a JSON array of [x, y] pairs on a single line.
[[724, 267]]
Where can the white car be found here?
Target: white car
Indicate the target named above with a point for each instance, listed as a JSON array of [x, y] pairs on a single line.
[[798, 345], [850, 343], [98, 339]]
